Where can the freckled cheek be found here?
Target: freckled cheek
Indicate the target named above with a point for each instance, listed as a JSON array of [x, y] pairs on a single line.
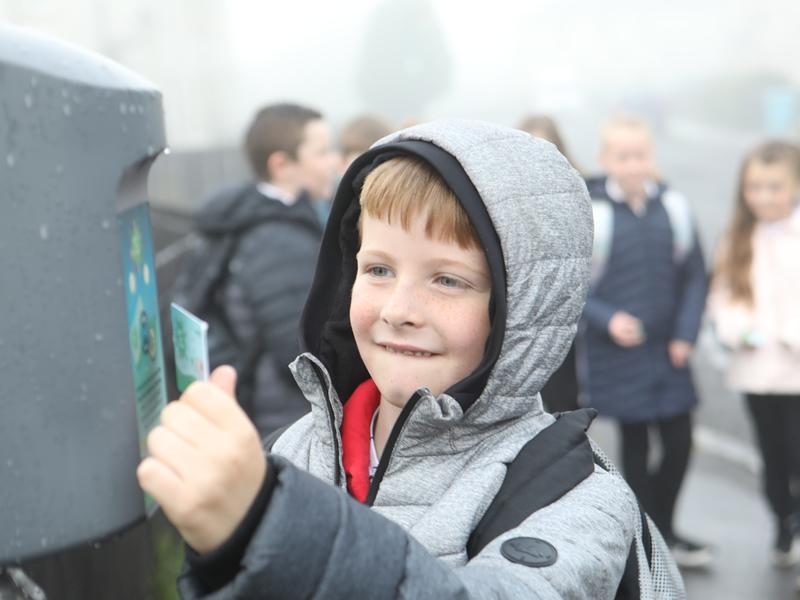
[[364, 311]]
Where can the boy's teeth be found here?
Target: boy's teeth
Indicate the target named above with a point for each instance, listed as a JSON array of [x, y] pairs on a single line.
[[408, 352]]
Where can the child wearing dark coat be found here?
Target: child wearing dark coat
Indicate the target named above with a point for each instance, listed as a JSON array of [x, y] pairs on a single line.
[[641, 320]]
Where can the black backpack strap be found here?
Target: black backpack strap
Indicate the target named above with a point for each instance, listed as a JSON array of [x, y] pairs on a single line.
[[556, 460]]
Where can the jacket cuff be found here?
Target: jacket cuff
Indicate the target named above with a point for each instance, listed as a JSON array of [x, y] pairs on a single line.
[[215, 569]]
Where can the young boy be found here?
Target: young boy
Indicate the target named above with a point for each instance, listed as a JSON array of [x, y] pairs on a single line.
[[250, 274], [642, 318], [451, 278]]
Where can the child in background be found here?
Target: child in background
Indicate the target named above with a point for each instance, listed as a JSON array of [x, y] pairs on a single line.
[[755, 308], [560, 393], [358, 134], [641, 320], [545, 127], [355, 138], [251, 267]]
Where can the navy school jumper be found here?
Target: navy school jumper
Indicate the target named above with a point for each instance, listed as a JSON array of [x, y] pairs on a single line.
[[643, 278]]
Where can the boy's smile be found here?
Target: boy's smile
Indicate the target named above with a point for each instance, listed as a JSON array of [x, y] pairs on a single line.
[[419, 309]]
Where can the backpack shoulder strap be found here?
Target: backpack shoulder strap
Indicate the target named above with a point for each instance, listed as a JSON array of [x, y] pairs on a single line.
[[603, 214], [556, 460], [680, 220]]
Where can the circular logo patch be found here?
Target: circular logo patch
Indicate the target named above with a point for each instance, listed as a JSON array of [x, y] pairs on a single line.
[[531, 552]]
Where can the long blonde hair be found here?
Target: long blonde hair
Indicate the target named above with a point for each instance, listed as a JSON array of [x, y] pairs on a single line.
[[734, 266]]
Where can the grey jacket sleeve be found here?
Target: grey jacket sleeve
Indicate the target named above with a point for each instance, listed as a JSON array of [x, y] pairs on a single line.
[[315, 542]]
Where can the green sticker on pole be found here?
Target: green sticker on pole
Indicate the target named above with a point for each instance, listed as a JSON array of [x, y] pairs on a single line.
[[144, 329]]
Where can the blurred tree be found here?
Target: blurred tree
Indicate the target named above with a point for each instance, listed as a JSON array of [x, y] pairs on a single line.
[[404, 63]]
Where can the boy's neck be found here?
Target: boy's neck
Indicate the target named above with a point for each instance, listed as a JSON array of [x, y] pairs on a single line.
[[283, 190], [636, 199], [388, 414]]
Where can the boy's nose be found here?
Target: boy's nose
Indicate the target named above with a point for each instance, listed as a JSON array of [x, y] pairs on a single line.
[[401, 309]]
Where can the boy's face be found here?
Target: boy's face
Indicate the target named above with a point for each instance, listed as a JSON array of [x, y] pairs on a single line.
[[419, 309], [627, 157], [316, 162]]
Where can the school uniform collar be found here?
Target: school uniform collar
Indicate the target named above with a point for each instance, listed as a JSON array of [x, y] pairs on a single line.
[[272, 191], [374, 459], [614, 190]]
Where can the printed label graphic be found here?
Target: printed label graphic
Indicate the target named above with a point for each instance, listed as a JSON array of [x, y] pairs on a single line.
[[144, 329]]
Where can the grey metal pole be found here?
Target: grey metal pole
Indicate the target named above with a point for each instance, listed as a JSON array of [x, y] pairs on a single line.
[[81, 374]]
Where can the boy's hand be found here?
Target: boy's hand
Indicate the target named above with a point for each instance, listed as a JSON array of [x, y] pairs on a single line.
[[626, 330], [206, 464], [679, 353]]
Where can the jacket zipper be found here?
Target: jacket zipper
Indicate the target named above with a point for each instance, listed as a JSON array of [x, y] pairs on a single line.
[[390, 444], [337, 472]]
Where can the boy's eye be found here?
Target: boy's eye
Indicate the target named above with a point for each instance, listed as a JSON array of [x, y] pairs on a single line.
[[451, 282], [378, 271]]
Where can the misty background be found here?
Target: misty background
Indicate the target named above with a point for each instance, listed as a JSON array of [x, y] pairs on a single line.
[[713, 78], [711, 74]]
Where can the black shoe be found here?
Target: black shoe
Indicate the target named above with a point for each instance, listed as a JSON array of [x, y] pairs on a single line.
[[784, 552], [689, 554]]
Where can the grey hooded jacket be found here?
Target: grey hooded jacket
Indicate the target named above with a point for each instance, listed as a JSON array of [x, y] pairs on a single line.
[[447, 455]]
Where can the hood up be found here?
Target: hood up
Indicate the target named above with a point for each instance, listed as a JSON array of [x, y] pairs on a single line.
[[533, 216]]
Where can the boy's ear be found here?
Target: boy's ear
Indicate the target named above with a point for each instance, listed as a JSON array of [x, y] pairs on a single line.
[[277, 163]]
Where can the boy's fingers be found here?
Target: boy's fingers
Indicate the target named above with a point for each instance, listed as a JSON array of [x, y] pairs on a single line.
[[193, 427], [169, 449], [160, 482], [218, 407], [224, 377]]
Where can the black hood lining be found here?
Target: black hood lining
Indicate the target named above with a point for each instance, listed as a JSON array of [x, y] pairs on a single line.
[[325, 326]]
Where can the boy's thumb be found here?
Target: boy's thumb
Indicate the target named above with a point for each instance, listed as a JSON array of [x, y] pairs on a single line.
[[224, 378]]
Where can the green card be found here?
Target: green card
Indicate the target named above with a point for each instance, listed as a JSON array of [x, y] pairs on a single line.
[[190, 341]]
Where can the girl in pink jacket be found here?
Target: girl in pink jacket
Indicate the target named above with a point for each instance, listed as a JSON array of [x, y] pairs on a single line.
[[755, 307]]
